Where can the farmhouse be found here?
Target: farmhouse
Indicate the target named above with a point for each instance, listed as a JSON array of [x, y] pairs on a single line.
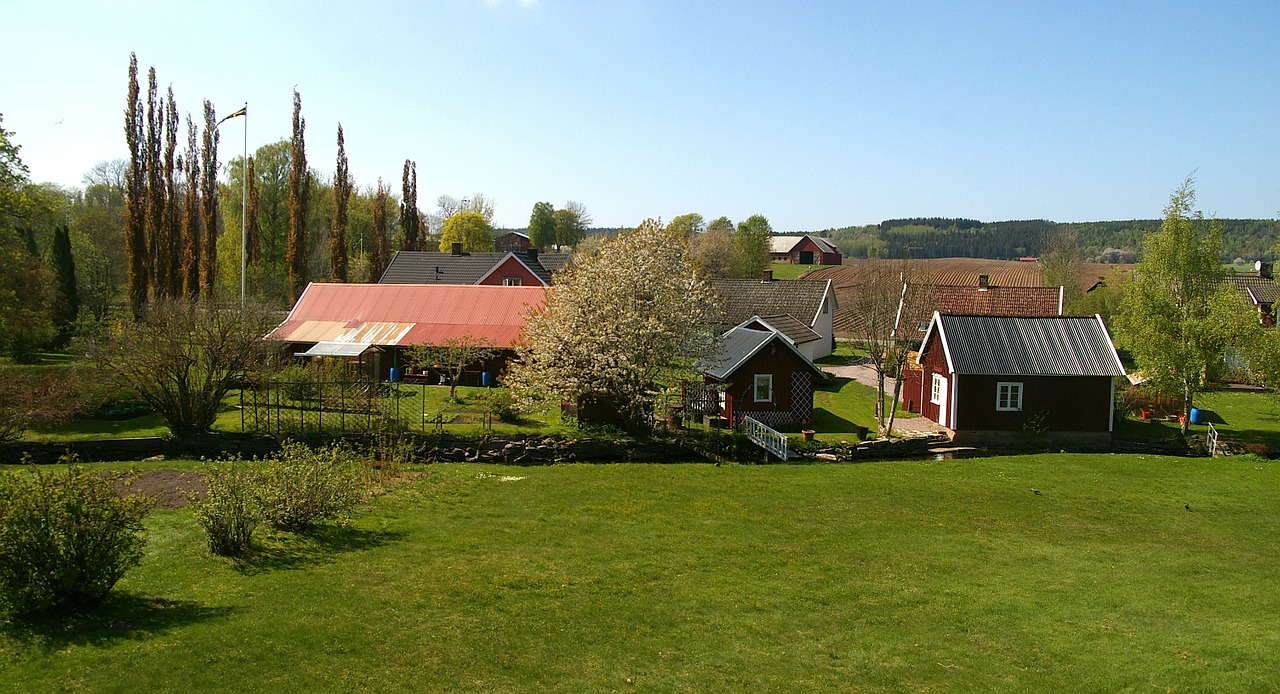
[[529, 268], [801, 310], [803, 250], [993, 379], [755, 371], [375, 324]]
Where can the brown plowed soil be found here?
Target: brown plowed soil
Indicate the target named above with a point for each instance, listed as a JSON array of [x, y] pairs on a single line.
[[168, 488]]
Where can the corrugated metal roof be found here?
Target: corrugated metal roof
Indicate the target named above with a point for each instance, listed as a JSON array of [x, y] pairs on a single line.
[[336, 349], [1024, 346], [408, 314]]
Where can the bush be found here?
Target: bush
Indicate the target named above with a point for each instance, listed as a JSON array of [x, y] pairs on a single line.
[[231, 511], [303, 486], [65, 539]]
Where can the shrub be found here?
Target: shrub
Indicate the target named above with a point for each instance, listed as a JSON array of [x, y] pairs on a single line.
[[65, 539], [500, 403], [230, 511], [303, 486]]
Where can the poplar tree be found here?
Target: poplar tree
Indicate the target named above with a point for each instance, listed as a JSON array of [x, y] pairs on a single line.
[[172, 224], [298, 194], [209, 202], [341, 195], [378, 251], [253, 243], [66, 299], [155, 185], [192, 229], [409, 207], [135, 192]]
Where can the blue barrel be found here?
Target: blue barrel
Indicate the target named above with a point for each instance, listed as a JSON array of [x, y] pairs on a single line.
[[1197, 415], [486, 379], [395, 374]]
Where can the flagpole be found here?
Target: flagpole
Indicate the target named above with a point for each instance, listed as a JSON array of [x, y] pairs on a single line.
[[244, 201]]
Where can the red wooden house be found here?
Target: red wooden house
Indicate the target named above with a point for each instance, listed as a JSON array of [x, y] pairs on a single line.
[[756, 371], [995, 379], [526, 269], [804, 250]]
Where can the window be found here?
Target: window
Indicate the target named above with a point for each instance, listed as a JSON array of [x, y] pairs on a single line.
[[511, 282], [938, 388], [1008, 397], [764, 387]]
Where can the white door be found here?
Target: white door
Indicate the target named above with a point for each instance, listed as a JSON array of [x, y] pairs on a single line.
[[938, 396]]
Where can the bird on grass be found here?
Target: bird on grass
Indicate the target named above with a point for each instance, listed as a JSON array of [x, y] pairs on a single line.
[[1035, 491], [1187, 506]]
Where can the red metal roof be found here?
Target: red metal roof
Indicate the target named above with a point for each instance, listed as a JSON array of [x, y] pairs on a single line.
[[408, 314]]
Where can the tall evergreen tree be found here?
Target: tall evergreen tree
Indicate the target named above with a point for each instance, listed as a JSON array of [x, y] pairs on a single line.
[[341, 195], [135, 190], [192, 229], [298, 198], [209, 202], [409, 207], [66, 299], [253, 242], [378, 251]]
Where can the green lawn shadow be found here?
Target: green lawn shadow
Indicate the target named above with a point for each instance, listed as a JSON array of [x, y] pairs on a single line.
[[284, 551], [122, 615]]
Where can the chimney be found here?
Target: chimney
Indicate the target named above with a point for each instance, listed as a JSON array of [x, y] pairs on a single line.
[[984, 283], [457, 249], [767, 276], [532, 253], [1264, 269]]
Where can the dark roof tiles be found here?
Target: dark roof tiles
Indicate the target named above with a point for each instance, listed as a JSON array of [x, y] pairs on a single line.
[[1017, 346]]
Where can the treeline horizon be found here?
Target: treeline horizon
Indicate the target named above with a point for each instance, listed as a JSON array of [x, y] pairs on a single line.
[[1102, 241]]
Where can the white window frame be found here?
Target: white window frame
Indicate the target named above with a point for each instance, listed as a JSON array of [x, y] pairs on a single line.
[[1005, 393], [512, 282], [765, 380], [936, 389]]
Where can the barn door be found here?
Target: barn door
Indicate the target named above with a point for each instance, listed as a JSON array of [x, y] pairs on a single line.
[[806, 257]]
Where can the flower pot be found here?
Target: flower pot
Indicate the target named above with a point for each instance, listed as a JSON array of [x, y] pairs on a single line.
[[807, 434]]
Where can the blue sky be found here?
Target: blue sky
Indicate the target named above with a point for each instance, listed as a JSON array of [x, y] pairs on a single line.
[[815, 114]]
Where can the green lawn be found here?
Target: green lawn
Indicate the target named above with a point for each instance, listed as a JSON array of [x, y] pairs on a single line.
[[1250, 417], [945, 576], [789, 271]]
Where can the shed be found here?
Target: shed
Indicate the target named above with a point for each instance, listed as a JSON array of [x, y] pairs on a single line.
[[996, 379], [761, 373]]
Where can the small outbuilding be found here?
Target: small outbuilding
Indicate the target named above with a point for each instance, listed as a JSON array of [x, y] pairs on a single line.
[[1002, 379], [756, 371]]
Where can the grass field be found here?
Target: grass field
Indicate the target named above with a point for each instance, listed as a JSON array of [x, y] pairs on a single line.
[[950, 576]]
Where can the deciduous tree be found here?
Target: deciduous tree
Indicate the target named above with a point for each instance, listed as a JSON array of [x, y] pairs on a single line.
[[66, 298], [468, 228], [379, 255], [192, 225], [182, 358], [135, 192], [341, 196], [628, 314], [1177, 316], [209, 203], [454, 354], [542, 226], [299, 197], [751, 245], [410, 220]]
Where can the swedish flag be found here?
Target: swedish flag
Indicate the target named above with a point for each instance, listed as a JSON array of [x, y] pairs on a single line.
[[242, 112]]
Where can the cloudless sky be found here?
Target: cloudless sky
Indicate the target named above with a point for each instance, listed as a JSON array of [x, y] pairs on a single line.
[[815, 114]]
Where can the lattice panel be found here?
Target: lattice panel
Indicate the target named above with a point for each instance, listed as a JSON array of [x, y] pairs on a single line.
[[802, 397]]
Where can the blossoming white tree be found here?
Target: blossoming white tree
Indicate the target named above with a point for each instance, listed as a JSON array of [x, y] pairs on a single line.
[[629, 314]]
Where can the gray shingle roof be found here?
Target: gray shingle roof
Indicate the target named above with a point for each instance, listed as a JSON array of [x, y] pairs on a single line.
[[797, 332], [422, 267], [1024, 346], [742, 299], [737, 346]]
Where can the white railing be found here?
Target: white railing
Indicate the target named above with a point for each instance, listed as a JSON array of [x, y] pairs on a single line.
[[772, 441], [1212, 439]]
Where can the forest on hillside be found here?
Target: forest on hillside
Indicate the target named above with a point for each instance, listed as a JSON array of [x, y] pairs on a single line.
[[1105, 242]]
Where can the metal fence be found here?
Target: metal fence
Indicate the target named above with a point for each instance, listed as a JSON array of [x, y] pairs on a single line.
[[349, 407]]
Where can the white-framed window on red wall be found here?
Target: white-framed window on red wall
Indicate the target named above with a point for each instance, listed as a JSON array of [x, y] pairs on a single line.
[[937, 388], [763, 388], [1009, 396]]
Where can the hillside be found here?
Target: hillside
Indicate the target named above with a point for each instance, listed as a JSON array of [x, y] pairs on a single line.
[[1108, 242]]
